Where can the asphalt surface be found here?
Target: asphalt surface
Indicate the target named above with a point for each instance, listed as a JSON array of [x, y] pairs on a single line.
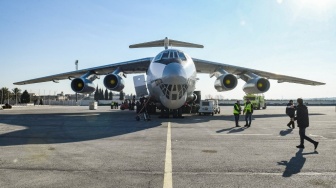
[[53, 146]]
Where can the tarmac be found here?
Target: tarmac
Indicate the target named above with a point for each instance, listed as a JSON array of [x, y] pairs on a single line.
[[72, 146]]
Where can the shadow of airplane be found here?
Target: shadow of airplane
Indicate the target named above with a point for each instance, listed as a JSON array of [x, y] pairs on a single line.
[[47, 128], [295, 164]]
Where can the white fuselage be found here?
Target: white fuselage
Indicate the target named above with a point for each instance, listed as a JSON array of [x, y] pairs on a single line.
[[171, 78]]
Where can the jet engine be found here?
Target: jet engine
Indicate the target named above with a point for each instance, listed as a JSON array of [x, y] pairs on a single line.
[[192, 98], [256, 85], [225, 82], [82, 85], [114, 82]]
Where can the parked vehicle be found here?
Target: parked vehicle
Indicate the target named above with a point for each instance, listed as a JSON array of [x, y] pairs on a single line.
[[209, 106], [258, 101]]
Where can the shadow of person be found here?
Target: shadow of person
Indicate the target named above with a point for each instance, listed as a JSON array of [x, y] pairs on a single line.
[[285, 132], [314, 152], [294, 165], [223, 130], [237, 130]]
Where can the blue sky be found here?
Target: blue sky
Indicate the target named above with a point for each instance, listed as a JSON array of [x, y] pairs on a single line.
[[295, 38]]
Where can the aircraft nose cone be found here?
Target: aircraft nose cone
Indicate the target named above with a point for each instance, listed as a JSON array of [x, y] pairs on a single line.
[[174, 86], [174, 73]]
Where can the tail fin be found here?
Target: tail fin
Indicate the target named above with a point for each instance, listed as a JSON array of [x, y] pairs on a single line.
[[166, 42]]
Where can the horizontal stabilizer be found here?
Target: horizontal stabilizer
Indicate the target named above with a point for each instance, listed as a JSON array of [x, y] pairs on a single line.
[[166, 43]]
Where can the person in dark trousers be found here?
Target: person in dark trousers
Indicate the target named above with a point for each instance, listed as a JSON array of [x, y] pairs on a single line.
[[303, 122], [248, 111], [290, 111], [236, 111]]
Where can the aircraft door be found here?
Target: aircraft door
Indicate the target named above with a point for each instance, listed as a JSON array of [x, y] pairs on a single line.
[[140, 85]]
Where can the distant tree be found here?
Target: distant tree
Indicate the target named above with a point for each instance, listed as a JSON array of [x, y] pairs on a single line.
[[25, 97], [106, 94], [95, 97], [121, 95], [17, 94], [110, 95], [4, 95], [208, 96], [101, 94]]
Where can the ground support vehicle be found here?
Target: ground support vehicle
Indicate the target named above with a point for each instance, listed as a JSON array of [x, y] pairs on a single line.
[[209, 106], [258, 101]]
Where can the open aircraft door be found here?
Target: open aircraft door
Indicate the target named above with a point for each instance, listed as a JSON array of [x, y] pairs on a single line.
[[140, 85]]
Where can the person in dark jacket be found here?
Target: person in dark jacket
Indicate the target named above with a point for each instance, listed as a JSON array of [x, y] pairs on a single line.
[[290, 111], [236, 111], [303, 122]]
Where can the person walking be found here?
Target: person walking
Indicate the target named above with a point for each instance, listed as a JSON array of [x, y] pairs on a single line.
[[290, 111], [303, 122], [236, 111], [248, 111]]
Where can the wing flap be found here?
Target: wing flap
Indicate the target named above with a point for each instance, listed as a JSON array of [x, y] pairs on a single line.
[[128, 67], [203, 66]]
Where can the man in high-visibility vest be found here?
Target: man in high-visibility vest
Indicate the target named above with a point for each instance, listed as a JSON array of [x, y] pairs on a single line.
[[236, 111], [248, 111]]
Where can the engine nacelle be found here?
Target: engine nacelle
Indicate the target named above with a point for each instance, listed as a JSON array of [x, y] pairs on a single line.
[[82, 85], [256, 85], [225, 82], [114, 82], [192, 98]]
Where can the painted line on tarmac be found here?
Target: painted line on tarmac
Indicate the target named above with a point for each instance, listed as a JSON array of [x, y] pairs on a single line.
[[317, 136], [263, 173], [168, 173], [233, 134], [323, 121], [74, 115]]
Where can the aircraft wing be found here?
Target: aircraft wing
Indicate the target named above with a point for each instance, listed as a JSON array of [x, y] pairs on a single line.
[[203, 66], [128, 67]]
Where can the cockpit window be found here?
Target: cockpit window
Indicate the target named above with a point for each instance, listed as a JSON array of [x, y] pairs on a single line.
[[165, 55], [170, 54], [158, 57], [182, 56], [173, 54]]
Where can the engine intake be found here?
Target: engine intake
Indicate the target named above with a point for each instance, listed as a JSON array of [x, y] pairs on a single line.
[[256, 85], [225, 82], [82, 85], [114, 82], [192, 98]]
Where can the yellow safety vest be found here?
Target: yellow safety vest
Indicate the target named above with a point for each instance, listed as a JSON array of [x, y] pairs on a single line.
[[248, 108], [234, 109]]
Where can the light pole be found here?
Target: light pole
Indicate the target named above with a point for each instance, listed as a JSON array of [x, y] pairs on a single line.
[[2, 95], [76, 63]]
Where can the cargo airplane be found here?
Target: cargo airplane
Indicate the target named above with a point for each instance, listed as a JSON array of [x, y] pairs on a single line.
[[170, 76]]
